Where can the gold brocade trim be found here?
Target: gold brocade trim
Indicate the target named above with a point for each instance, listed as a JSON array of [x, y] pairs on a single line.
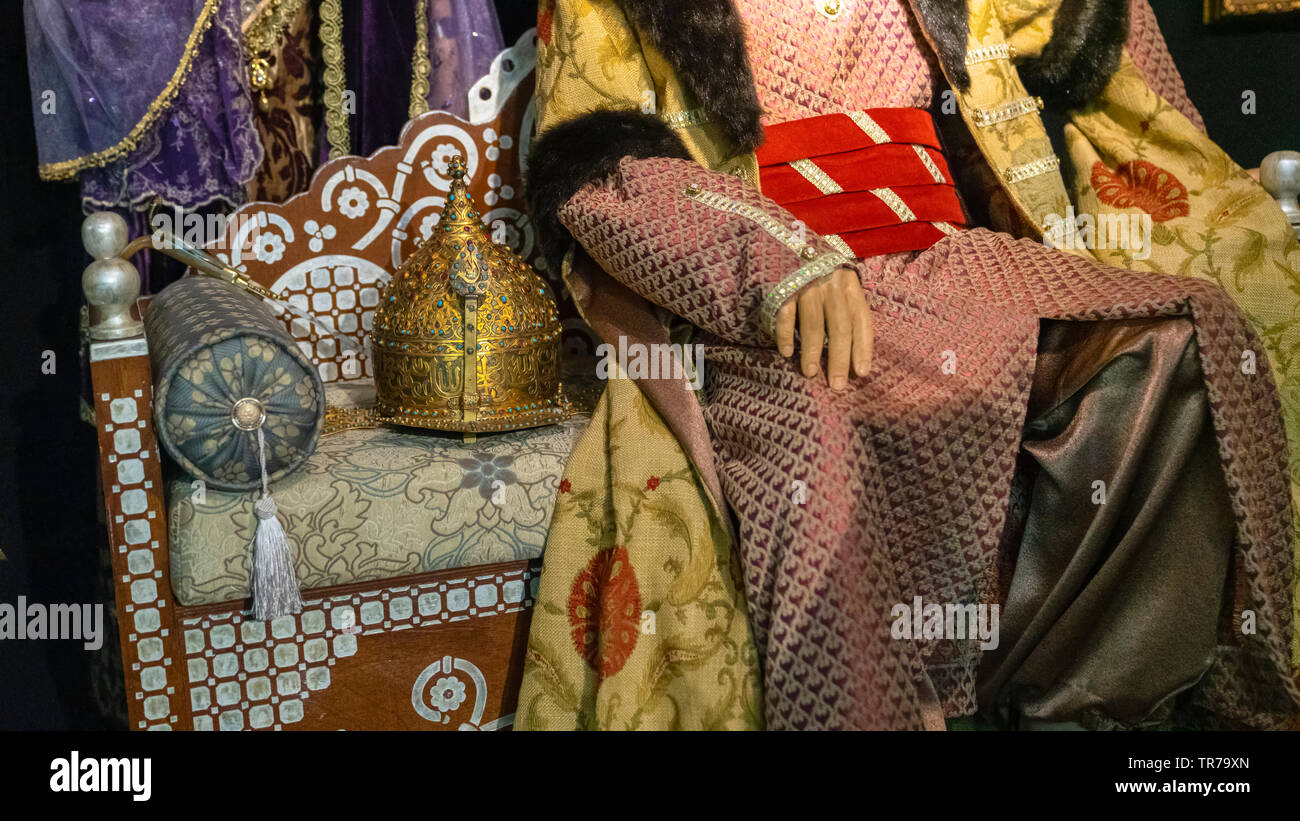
[[819, 178], [945, 227], [261, 31], [818, 265], [928, 162], [873, 129], [331, 38], [262, 28], [420, 65], [822, 266], [685, 119], [985, 117], [895, 203], [837, 242], [755, 215], [339, 419], [997, 51], [64, 169], [1019, 173]]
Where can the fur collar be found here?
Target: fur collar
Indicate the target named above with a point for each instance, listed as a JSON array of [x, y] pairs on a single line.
[[1076, 64], [584, 150], [946, 25], [704, 42]]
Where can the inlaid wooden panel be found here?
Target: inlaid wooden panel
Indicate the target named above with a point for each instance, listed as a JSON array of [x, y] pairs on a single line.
[[436, 651], [137, 525]]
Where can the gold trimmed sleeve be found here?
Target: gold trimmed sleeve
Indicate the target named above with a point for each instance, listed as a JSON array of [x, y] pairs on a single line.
[[817, 264], [823, 265]]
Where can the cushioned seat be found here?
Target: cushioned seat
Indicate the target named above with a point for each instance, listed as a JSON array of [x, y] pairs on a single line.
[[378, 503]]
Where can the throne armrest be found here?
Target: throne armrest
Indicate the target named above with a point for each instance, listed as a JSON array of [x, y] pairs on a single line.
[[131, 475]]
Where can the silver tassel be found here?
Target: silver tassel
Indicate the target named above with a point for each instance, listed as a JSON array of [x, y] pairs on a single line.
[[275, 584]]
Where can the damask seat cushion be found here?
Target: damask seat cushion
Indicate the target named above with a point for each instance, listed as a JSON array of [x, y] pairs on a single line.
[[379, 503]]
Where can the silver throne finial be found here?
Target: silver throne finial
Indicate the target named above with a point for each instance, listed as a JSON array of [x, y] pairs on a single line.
[[111, 284]]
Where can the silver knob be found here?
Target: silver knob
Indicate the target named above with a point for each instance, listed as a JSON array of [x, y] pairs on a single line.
[[1280, 175], [110, 283]]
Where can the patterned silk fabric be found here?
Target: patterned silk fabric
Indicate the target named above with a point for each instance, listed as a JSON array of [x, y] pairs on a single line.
[[378, 504], [870, 56], [635, 529], [905, 475], [640, 622], [1139, 151], [287, 123], [850, 502], [1207, 218]]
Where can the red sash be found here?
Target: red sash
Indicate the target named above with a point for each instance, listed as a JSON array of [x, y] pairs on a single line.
[[877, 180]]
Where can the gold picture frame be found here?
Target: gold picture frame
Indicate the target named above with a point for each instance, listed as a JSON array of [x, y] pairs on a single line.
[[1218, 9]]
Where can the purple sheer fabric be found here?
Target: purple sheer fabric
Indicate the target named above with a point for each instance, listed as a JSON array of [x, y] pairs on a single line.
[[379, 41], [107, 63], [205, 149], [96, 67], [464, 37]]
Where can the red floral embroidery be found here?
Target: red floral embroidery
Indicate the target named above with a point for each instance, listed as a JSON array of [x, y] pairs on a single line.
[[1140, 184], [652, 483], [605, 611], [565, 487], [544, 14]]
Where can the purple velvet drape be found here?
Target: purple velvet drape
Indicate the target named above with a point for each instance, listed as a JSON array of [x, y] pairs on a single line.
[[379, 41]]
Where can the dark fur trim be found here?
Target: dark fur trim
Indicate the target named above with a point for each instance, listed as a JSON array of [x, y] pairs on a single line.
[[946, 24], [583, 150], [704, 42], [1083, 54]]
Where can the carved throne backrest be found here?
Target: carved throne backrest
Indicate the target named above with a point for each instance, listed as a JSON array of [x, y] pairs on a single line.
[[331, 249]]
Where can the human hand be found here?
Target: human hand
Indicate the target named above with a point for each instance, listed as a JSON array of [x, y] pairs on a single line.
[[833, 307]]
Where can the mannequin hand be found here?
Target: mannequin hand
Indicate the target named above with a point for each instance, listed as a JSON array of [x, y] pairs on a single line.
[[833, 307]]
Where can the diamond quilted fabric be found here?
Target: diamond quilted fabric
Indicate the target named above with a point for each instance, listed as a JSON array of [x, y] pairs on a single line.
[[908, 472]]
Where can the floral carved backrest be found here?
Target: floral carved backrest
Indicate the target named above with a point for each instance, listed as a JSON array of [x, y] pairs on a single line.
[[331, 249]]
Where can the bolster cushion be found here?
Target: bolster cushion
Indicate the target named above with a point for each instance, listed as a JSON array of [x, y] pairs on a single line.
[[211, 345]]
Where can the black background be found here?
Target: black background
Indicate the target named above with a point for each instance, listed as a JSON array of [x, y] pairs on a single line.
[[49, 508]]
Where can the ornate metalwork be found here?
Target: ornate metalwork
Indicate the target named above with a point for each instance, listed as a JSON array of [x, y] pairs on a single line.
[[467, 335]]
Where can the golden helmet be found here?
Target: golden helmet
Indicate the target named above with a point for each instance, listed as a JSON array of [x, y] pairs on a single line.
[[467, 337]]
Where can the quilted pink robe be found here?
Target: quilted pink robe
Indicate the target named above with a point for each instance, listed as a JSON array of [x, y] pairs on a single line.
[[904, 479]]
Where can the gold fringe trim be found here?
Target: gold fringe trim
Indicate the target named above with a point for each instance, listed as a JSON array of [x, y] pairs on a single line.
[[65, 169], [420, 66], [331, 37]]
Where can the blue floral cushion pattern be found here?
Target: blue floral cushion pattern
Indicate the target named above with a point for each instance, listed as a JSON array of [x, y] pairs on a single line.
[[212, 344]]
